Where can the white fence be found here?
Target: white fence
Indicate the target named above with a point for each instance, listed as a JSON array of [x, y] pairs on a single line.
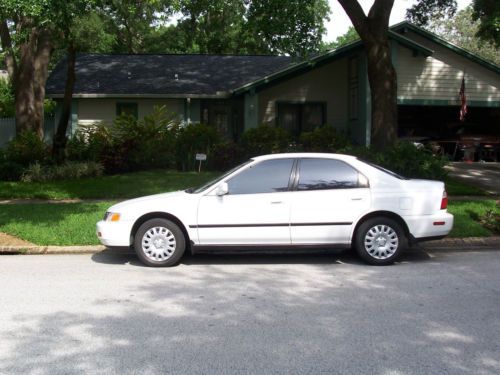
[[8, 130]]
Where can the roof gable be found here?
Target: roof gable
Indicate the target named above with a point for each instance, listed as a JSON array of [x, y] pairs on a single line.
[[404, 26], [325, 58]]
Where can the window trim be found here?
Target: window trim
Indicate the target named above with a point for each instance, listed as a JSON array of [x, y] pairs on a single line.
[[322, 103]]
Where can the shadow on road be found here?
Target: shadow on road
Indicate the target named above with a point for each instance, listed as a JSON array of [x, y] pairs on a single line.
[[110, 256]]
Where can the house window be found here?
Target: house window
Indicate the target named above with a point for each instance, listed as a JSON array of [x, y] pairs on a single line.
[[353, 85], [301, 117], [129, 109]]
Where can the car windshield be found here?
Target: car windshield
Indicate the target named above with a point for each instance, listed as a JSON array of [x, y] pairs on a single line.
[[216, 180], [393, 174]]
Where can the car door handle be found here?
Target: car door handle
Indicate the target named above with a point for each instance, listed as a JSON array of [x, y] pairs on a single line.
[[356, 199], [276, 202]]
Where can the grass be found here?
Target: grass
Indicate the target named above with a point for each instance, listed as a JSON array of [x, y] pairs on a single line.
[[53, 224], [457, 187], [74, 223], [467, 214], [128, 185]]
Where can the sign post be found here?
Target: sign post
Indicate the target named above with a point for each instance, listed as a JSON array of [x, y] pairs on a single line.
[[200, 158]]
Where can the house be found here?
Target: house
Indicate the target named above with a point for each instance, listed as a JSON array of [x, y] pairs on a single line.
[[235, 93]]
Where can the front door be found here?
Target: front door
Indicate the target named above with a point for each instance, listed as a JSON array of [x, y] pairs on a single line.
[[256, 209]]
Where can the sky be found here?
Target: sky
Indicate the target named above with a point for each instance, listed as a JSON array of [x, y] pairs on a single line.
[[339, 22]]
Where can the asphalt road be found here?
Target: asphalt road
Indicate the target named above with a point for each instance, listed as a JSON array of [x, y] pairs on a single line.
[[309, 314]]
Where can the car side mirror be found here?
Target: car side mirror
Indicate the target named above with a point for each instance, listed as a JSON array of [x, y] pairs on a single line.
[[222, 189]]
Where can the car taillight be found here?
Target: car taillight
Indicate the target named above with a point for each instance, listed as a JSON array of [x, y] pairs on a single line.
[[444, 201]]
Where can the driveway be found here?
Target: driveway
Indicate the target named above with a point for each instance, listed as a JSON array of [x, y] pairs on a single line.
[[485, 176], [223, 314]]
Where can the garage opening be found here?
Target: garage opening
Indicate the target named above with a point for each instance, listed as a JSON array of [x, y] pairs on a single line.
[[475, 139]]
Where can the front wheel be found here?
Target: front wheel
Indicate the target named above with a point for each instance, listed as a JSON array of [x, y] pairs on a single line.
[[379, 241], [159, 243]]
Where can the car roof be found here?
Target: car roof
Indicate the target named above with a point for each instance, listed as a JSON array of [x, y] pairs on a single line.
[[304, 155]]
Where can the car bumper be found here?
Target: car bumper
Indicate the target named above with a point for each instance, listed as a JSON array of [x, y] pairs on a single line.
[[438, 225], [114, 233]]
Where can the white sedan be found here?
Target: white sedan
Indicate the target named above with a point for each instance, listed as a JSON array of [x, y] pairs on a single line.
[[299, 200]]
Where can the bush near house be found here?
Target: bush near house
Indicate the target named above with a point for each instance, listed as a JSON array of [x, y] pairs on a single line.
[[159, 141]]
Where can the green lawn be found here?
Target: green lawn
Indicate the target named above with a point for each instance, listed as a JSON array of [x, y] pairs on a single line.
[[53, 224], [466, 217], [74, 223], [128, 185], [457, 187]]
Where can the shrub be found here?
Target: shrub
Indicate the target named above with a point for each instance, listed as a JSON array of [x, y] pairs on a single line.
[[9, 170], [225, 155], [406, 159], [88, 143], [191, 140], [67, 171], [265, 140], [323, 139], [27, 148], [129, 144]]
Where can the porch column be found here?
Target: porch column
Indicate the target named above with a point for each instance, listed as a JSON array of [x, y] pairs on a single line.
[[251, 110]]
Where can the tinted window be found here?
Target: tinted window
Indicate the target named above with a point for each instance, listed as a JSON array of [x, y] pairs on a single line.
[[319, 174], [269, 176]]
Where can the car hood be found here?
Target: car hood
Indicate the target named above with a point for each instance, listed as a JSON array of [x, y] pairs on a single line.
[[148, 200]]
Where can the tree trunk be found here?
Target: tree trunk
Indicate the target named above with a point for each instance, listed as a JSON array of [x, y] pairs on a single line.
[[59, 143], [41, 61], [383, 85], [373, 31], [24, 87]]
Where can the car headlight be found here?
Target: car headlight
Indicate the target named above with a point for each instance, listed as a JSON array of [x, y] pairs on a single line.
[[111, 216]]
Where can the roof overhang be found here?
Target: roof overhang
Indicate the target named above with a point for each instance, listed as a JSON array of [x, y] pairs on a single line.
[[219, 95]]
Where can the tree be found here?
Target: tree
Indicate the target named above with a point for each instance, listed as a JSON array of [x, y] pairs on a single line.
[[488, 13], [26, 33], [348, 37], [294, 27], [86, 33], [424, 11], [7, 107], [373, 31], [462, 30], [131, 21]]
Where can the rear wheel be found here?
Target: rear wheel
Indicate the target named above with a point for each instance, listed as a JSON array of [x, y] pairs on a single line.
[[159, 243], [380, 241]]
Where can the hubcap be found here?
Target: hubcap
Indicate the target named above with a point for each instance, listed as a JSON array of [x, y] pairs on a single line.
[[381, 241], [158, 243]]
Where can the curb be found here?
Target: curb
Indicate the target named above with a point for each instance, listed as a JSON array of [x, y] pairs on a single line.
[[461, 244], [448, 244], [40, 250]]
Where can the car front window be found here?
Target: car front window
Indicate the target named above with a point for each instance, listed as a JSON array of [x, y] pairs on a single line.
[[216, 180], [268, 176]]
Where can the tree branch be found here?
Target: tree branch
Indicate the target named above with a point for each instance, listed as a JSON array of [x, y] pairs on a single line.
[[379, 15], [357, 16]]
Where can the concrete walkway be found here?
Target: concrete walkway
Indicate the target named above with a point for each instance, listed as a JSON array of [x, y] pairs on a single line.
[[485, 176]]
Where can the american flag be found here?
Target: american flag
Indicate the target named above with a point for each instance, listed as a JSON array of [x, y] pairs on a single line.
[[463, 100]]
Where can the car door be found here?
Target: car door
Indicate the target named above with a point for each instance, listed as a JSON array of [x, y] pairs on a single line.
[[329, 196], [255, 211]]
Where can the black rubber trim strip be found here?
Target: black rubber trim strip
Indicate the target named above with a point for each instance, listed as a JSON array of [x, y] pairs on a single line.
[[266, 225]]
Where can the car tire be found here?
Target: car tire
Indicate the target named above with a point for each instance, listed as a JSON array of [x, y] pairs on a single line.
[[159, 243], [380, 241]]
